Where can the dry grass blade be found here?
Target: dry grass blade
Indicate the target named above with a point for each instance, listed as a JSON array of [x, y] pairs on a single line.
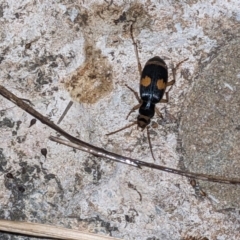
[[43, 230]]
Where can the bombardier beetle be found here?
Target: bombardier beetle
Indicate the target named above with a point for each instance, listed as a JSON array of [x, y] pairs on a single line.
[[153, 84]]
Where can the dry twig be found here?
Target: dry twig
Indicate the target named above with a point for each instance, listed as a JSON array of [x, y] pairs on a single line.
[[100, 152]]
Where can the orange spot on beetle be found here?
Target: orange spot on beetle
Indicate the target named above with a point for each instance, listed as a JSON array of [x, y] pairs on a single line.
[[161, 84], [145, 81]]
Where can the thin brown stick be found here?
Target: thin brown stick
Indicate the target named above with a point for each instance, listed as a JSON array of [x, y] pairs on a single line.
[[65, 111], [43, 230], [198, 176], [13, 98], [79, 144]]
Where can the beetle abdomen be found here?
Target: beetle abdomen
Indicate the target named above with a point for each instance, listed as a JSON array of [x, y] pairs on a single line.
[[153, 80]]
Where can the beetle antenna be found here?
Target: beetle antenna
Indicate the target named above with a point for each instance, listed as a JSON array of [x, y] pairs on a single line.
[[119, 130], [150, 144], [136, 50]]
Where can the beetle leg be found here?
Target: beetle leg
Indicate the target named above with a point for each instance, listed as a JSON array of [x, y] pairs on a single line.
[[137, 97], [170, 83], [135, 93], [165, 100], [174, 70], [158, 112], [133, 109], [121, 129]]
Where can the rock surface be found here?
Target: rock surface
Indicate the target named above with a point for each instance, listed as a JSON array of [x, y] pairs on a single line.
[[58, 51]]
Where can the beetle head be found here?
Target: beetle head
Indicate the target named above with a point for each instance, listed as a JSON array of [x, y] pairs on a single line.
[[143, 121]]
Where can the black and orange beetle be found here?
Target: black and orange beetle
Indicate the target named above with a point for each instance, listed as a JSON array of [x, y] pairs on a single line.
[[153, 84]]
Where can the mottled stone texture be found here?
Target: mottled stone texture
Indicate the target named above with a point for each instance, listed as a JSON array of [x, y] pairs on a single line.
[[210, 124], [52, 52]]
